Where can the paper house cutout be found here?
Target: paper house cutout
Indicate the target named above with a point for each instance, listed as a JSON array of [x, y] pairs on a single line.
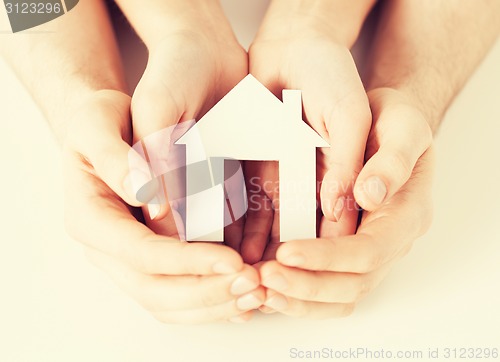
[[250, 123]]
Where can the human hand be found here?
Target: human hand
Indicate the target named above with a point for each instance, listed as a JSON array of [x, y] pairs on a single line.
[[177, 282], [188, 71], [311, 57], [325, 277]]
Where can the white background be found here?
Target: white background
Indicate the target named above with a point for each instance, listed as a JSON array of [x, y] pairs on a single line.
[[54, 306]]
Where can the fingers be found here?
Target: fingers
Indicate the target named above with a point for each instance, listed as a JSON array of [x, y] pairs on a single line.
[[257, 228], [403, 135], [160, 272], [233, 234], [97, 218], [337, 107], [335, 273], [166, 292], [318, 294], [260, 214], [228, 311], [321, 286], [360, 253], [305, 309], [381, 236], [348, 127], [186, 299], [97, 133], [236, 203]]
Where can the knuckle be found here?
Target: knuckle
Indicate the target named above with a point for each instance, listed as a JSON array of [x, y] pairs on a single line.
[[312, 292], [209, 299], [363, 287]]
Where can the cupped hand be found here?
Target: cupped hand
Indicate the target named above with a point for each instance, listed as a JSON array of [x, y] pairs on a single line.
[[177, 282], [326, 277], [308, 57], [187, 73]]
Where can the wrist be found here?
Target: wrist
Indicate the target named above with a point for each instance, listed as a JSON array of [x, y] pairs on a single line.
[[74, 105], [432, 108], [339, 21], [427, 100], [406, 96], [162, 18]]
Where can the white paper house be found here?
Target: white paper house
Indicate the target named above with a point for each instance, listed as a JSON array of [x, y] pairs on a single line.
[[250, 123]]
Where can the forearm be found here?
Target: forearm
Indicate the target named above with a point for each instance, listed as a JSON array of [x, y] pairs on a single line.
[[66, 60], [429, 48], [339, 19], [157, 19]]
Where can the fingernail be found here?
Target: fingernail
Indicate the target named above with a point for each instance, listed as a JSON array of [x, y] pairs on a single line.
[[243, 285], [237, 319], [154, 210], [248, 302], [295, 260], [339, 208], [276, 282], [375, 189], [223, 268], [277, 302]]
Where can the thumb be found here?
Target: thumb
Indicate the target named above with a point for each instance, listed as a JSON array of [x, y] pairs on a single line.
[[97, 133], [403, 135]]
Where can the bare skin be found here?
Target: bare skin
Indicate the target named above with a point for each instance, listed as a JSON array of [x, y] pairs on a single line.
[[417, 68]]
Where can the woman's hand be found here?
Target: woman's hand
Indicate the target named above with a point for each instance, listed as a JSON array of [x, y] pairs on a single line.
[[298, 49], [177, 282], [190, 68]]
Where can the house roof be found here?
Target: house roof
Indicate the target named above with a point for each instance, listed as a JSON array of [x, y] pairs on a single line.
[[251, 123]]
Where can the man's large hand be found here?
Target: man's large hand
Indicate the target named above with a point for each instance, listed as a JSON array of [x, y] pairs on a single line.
[[325, 277]]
